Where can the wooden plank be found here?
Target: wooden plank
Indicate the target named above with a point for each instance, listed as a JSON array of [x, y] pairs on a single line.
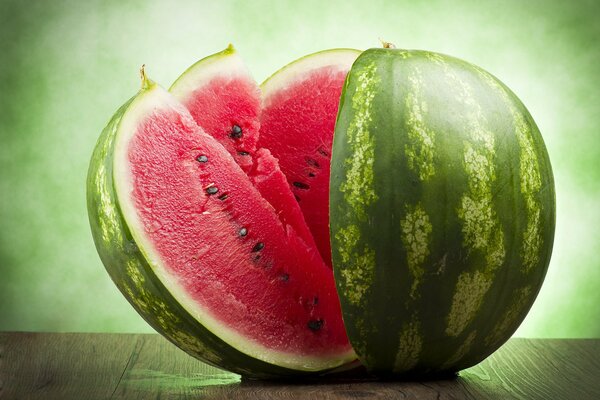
[[534, 369], [160, 370], [130, 366], [62, 366]]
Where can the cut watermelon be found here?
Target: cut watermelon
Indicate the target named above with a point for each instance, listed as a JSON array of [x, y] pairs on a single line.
[[300, 104], [199, 252]]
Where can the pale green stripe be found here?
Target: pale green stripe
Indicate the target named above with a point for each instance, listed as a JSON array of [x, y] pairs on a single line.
[[416, 235], [409, 347], [530, 176], [481, 228], [420, 147], [358, 188], [358, 266], [358, 260], [468, 297]]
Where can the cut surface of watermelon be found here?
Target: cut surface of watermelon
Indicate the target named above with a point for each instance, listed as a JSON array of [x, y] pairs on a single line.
[[273, 187], [300, 104], [217, 246]]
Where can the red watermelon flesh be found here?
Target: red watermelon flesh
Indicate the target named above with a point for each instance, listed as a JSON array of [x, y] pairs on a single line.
[[300, 104], [227, 254], [272, 185]]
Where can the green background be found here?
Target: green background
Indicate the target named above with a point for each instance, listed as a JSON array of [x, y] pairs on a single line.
[[65, 67]]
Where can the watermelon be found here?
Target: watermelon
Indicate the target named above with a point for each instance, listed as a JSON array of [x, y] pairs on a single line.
[[442, 211], [300, 104], [193, 236]]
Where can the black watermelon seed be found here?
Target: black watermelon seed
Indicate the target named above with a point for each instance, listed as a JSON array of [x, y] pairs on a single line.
[[323, 152], [284, 277], [315, 300], [212, 190], [315, 324], [301, 185], [311, 175], [202, 158], [223, 197], [243, 232], [236, 132], [312, 162], [243, 153], [258, 247]]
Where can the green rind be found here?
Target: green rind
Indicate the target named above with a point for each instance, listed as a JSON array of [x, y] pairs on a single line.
[[400, 232], [137, 281]]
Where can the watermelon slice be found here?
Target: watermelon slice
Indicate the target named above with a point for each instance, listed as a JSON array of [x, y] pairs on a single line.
[[300, 104], [225, 101], [203, 250], [223, 98]]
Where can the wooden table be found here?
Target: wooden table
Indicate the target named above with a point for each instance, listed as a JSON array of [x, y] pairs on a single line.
[[146, 366]]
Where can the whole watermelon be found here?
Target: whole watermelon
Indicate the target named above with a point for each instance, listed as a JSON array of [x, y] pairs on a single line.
[[442, 211]]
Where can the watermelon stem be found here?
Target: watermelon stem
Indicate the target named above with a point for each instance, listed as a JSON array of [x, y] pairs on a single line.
[[387, 45], [146, 83]]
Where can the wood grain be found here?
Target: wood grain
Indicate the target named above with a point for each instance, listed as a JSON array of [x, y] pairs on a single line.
[[146, 366]]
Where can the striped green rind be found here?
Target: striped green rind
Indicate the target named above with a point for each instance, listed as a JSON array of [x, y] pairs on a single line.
[[442, 211], [138, 282]]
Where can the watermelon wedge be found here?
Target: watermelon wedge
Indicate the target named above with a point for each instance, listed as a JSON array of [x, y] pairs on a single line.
[[300, 105], [204, 254], [225, 101], [221, 95]]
